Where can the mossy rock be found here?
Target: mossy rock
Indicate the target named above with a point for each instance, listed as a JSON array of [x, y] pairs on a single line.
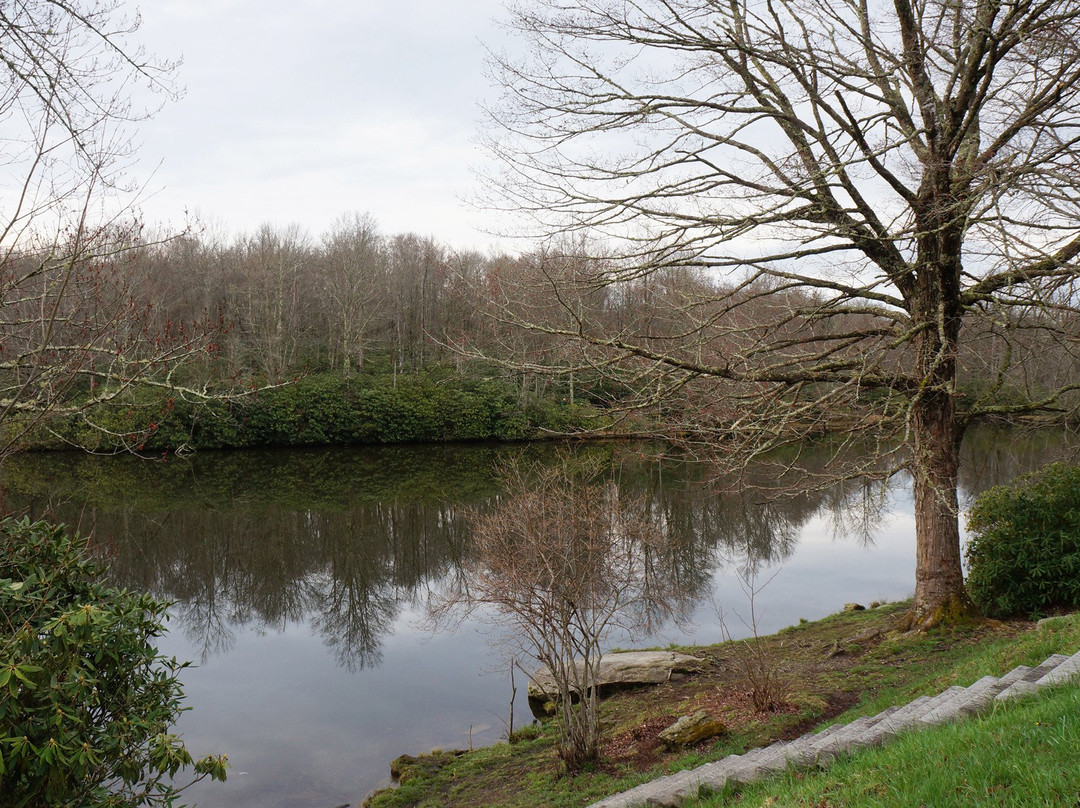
[[692, 729]]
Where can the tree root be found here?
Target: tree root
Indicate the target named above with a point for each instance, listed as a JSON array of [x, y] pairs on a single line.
[[956, 609]]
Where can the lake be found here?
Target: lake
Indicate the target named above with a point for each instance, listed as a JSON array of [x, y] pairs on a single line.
[[300, 580]]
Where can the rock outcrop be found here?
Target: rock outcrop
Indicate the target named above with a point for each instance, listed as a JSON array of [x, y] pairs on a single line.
[[624, 669]]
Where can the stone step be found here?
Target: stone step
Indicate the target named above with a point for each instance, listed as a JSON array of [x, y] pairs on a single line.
[[797, 753], [984, 699], [1048, 665], [658, 792], [1027, 683], [829, 745], [895, 721], [772, 759], [684, 785], [813, 748], [866, 732], [674, 789], [745, 768], [966, 700], [715, 775], [1063, 672], [900, 720], [892, 722], [1015, 675]]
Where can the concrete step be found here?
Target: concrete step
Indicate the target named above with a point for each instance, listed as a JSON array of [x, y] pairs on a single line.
[[1027, 683], [967, 699]]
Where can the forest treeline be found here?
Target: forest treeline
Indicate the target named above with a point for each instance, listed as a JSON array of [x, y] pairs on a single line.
[[357, 336], [351, 337]]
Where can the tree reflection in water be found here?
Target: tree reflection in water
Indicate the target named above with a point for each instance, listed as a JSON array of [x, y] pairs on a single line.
[[343, 540]]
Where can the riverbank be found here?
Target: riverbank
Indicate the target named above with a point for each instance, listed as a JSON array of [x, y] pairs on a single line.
[[835, 669], [435, 405]]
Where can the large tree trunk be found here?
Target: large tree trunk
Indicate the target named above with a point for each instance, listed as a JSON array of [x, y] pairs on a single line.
[[940, 595]]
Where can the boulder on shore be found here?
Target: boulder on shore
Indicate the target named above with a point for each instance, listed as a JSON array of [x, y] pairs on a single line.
[[623, 669]]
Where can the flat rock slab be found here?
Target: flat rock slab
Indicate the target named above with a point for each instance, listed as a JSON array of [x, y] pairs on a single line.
[[624, 669]]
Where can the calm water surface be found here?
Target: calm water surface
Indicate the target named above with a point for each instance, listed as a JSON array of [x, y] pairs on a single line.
[[300, 579]]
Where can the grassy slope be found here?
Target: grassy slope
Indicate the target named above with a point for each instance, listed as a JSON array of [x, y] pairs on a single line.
[[837, 669], [1024, 753]]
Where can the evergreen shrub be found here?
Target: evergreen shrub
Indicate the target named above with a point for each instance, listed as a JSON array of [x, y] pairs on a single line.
[[324, 410], [1024, 552], [86, 701]]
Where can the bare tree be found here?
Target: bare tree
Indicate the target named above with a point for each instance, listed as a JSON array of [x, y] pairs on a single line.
[[869, 185], [79, 330], [769, 689], [355, 281], [76, 326], [271, 298], [417, 273], [534, 288], [561, 561]]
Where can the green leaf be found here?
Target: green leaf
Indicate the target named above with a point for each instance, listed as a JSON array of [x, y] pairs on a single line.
[[21, 672]]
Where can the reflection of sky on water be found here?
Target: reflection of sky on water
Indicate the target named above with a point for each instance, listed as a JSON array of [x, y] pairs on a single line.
[[301, 730], [823, 573]]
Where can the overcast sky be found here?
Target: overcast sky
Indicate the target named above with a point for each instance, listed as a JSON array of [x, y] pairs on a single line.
[[299, 112]]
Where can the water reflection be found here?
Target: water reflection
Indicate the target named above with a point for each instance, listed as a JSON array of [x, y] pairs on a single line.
[[272, 555], [995, 455], [336, 540], [341, 540]]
